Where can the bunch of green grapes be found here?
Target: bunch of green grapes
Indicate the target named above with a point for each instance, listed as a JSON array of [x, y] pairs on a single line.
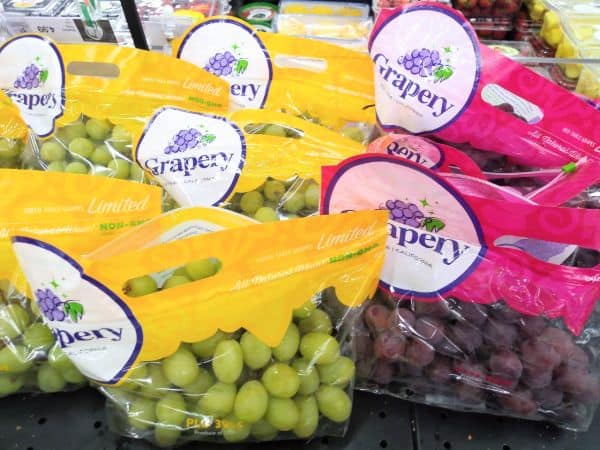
[[30, 359], [234, 386], [91, 146]]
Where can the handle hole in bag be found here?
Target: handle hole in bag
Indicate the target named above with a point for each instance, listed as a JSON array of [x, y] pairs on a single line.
[[175, 276], [510, 103], [301, 62], [93, 69], [552, 252], [274, 129]]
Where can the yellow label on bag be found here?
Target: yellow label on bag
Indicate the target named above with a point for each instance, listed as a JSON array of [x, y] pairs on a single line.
[[326, 83], [12, 125], [267, 270], [74, 212]]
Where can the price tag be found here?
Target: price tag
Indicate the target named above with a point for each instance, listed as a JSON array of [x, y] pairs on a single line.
[[65, 30]]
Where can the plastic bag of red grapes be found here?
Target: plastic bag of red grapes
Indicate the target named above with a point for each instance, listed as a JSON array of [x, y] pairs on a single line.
[[466, 317]]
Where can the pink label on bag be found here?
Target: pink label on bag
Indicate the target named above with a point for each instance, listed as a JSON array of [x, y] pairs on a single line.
[[443, 242], [439, 80]]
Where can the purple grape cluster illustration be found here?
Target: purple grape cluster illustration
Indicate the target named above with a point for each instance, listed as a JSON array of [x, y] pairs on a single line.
[[221, 64], [31, 77], [50, 305], [54, 309], [427, 63], [405, 213], [183, 140]]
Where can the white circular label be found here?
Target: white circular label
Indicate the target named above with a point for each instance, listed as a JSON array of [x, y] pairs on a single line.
[[424, 80], [32, 74], [196, 158], [231, 50], [434, 238], [91, 324]]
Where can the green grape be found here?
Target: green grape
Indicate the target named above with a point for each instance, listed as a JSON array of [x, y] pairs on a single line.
[[13, 320], [251, 402], [157, 383], [256, 354], [312, 196], [234, 429], [263, 431], [73, 376], [38, 336], [274, 130], [15, 359], [318, 321], [101, 155], [166, 435], [354, 133], [98, 129], [180, 272], [266, 214], [288, 346], [74, 130], [281, 380], [171, 409], [308, 420], [9, 149], [334, 403], [52, 151], [338, 373], [181, 367], [204, 381], [228, 361], [305, 310], [136, 173], [136, 377], [120, 139], [251, 202], [294, 203], [218, 401], [282, 413], [141, 413], [174, 281], [136, 287], [206, 348], [10, 383], [119, 168], [50, 379], [203, 268], [77, 167], [58, 360], [319, 348], [309, 376], [274, 190], [56, 166], [82, 147]]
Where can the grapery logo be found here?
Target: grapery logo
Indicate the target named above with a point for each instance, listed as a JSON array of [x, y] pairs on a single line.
[[410, 214], [227, 63], [54, 309], [188, 139], [33, 76], [428, 63]]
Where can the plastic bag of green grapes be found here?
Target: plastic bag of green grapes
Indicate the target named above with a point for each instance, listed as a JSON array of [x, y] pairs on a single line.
[[83, 102], [31, 360], [242, 334], [263, 164]]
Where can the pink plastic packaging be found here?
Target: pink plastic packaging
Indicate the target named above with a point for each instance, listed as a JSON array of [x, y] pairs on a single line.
[[441, 81], [466, 317]]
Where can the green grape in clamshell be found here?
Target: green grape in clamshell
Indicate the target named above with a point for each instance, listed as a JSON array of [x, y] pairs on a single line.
[[305, 310], [203, 268], [282, 413], [294, 202], [319, 348], [256, 354], [141, 413], [251, 202], [312, 196], [266, 214], [202, 383], [13, 321], [144, 285], [281, 381], [156, 384], [101, 155], [251, 402], [174, 281], [52, 151], [49, 379], [206, 348], [136, 173], [98, 129], [77, 167], [263, 431], [119, 168], [120, 139], [338, 373], [354, 133], [58, 359], [73, 376], [38, 337], [171, 409], [136, 377], [10, 383], [308, 375], [318, 321], [218, 401], [334, 403], [274, 130], [234, 429], [181, 367], [73, 131], [308, 419], [56, 166], [82, 147], [288, 347], [166, 435], [274, 190], [10, 149], [228, 361]]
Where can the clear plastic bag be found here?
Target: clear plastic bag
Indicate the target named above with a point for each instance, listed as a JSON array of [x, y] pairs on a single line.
[[252, 345]]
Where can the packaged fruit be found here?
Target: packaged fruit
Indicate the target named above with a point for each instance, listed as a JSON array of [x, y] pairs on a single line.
[[512, 49], [264, 164], [503, 11], [473, 312], [589, 80], [303, 77], [422, 87], [323, 8], [15, 148], [66, 215], [254, 341], [580, 33]]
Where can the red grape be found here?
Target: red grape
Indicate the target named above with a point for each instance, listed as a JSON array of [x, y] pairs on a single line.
[[376, 317], [389, 346], [469, 372], [519, 402], [581, 385], [539, 355], [465, 337], [440, 371], [439, 309], [499, 335], [560, 340], [419, 353], [403, 320], [548, 398], [532, 326], [472, 313], [578, 359], [504, 313], [383, 372], [468, 393], [506, 364], [536, 378], [429, 329]]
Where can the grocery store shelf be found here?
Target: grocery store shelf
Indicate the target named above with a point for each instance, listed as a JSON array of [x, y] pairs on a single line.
[[76, 421]]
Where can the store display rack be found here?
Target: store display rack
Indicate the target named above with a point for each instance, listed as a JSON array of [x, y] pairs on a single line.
[[76, 421]]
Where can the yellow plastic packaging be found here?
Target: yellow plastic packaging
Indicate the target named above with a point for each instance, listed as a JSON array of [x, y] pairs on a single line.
[[236, 335], [262, 163], [78, 214], [317, 81]]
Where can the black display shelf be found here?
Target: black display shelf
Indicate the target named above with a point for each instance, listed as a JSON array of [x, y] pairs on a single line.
[[76, 421]]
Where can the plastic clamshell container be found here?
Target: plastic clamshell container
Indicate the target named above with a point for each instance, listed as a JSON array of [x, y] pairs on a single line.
[[502, 11], [589, 79], [489, 28], [332, 27], [512, 49], [319, 8], [579, 32]]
